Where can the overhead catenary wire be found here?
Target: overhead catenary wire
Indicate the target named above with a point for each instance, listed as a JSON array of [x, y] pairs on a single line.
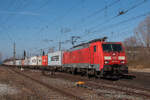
[[89, 30], [133, 18], [97, 12], [47, 48], [59, 18], [43, 5], [124, 21], [17, 6], [69, 11], [111, 19], [102, 9], [9, 16], [24, 4], [14, 3], [11, 4], [116, 24], [119, 14], [134, 6], [9, 37]]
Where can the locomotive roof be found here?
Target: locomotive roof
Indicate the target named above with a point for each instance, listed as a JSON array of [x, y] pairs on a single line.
[[92, 41]]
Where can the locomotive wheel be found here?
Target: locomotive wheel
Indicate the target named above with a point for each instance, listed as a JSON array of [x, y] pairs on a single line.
[[73, 71], [89, 73], [97, 74]]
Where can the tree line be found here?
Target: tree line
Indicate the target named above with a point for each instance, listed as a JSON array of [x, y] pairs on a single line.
[[138, 45]]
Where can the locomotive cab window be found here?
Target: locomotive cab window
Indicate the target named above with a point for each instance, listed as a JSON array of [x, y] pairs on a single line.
[[112, 47], [94, 48]]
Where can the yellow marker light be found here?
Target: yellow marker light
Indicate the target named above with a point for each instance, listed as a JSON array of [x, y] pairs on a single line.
[[80, 83]]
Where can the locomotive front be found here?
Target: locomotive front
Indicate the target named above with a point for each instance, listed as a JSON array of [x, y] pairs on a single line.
[[114, 59]]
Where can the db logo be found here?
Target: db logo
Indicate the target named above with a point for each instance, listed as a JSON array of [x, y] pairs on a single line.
[[114, 58], [114, 54]]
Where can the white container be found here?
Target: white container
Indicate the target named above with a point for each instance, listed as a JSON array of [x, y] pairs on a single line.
[[39, 60], [7, 63], [11, 63], [18, 62], [33, 60], [55, 58]]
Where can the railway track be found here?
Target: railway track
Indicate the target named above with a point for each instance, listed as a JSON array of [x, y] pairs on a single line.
[[93, 84], [63, 92], [127, 90], [26, 87], [103, 84]]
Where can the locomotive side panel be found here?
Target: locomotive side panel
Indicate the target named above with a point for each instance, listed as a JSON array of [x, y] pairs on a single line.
[[80, 58], [77, 57], [96, 55]]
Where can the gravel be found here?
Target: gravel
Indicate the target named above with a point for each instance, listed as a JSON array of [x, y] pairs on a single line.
[[6, 89]]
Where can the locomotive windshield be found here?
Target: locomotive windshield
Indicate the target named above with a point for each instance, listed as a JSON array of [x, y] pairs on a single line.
[[112, 47]]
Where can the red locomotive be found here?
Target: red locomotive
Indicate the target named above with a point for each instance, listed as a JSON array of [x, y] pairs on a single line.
[[97, 57]]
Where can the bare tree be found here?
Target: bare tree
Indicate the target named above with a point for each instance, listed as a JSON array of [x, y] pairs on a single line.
[[130, 44], [138, 46], [142, 32], [130, 41]]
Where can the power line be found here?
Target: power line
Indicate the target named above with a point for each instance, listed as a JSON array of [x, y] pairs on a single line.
[[63, 16], [10, 16], [69, 11], [98, 11], [125, 21], [134, 6], [9, 37], [119, 14], [122, 22], [102, 9], [10, 6], [121, 33], [18, 7], [21, 4], [43, 5]]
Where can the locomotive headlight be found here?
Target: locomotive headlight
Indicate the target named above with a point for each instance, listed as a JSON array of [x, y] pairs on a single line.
[[106, 62], [122, 62], [121, 57], [107, 57]]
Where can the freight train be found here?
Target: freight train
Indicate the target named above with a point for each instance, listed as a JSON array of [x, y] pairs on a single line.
[[96, 57]]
